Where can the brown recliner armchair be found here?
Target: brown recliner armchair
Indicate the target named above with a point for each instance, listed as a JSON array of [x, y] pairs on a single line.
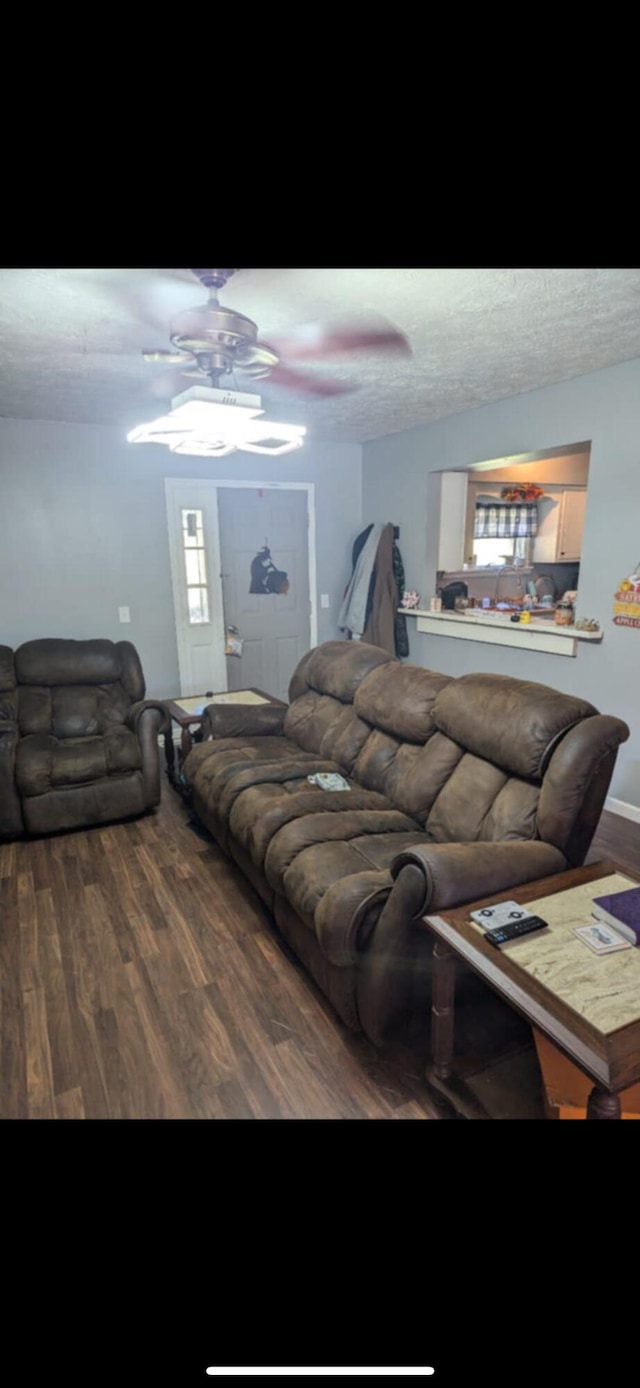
[[78, 740]]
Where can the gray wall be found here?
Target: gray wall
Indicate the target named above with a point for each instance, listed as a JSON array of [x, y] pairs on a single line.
[[603, 407], [83, 531]]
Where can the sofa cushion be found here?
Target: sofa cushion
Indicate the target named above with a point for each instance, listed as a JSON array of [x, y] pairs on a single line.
[[210, 765], [259, 812], [321, 717], [479, 801], [329, 883], [515, 724], [371, 832], [76, 688], [243, 748], [123, 750], [338, 667], [322, 724], [81, 710], [55, 661], [44, 763], [398, 699], [8, 693]]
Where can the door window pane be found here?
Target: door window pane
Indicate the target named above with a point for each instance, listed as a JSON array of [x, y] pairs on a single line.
[[195, 560], [192, 529], [196, 567], [198, 605]]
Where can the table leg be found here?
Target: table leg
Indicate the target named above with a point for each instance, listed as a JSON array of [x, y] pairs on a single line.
[[170, 756], [603, 1104], [442, 1009]]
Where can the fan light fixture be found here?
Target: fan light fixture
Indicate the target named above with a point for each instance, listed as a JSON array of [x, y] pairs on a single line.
[[211, 423]]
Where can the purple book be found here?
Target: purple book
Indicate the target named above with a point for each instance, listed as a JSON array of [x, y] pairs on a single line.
[[622, 911]]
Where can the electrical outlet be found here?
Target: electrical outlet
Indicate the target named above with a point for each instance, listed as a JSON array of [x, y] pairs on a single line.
[[124, 614], [324, 599]]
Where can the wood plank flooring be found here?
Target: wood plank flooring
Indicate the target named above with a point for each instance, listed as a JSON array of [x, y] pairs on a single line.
[[141, 979]]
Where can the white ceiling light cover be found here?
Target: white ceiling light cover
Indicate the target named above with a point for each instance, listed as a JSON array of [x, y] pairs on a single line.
[[212, 423]]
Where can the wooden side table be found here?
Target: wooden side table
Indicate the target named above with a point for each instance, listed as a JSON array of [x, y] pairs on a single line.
[[588, 1005], [188, 713]]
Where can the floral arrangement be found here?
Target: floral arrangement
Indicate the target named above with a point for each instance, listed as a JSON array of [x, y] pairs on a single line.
[[527, 491], [411, 598]]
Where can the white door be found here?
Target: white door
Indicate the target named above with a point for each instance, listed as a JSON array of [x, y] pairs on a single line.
[[192, 513], [264, 534], [216, 532]]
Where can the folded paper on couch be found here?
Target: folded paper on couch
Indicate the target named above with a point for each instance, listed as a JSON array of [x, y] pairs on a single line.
[[329, 780]]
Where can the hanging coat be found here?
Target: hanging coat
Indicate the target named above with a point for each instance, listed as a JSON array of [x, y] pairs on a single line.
[[381, 626], [402, 636], [353, 613]]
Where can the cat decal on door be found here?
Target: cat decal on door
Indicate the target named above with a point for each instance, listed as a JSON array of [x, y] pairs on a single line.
[[265, 577]]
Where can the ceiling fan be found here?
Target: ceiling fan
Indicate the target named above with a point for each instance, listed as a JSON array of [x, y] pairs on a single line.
[[212, 341]]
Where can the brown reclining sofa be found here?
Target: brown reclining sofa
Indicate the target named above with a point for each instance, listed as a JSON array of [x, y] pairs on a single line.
[[459, 788]]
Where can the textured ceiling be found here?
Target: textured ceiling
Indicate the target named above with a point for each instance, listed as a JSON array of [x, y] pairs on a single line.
[[71, 340]]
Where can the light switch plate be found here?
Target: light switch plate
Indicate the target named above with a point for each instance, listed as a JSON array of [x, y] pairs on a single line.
[[124, 614], [324, 599]]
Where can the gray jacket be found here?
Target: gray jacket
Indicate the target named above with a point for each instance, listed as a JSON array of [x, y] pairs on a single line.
[[353, 612]]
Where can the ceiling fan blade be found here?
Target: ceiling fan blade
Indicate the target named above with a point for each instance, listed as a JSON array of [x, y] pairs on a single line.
[[151, 297], [171, 383], [171, 358], [311, 385], [312, 341]]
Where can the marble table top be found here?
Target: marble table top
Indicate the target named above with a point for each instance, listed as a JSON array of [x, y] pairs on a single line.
[[602, 988]]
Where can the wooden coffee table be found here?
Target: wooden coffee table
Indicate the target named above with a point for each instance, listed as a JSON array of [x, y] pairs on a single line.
[[587, 1004], [184, 712]]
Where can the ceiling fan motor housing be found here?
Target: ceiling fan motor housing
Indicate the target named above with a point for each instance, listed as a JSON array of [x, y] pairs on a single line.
[[220, 338]]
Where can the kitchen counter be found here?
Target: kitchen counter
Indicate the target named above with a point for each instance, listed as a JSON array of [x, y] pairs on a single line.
[[497, 629]]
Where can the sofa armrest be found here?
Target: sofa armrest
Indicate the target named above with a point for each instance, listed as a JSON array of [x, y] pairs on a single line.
[[11, 822], [243, 720], [161, 722], [457, 872], [147, 719]]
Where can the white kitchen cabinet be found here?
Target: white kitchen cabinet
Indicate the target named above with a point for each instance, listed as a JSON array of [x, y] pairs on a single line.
[[454, 489], [571, 524], [560, 526]]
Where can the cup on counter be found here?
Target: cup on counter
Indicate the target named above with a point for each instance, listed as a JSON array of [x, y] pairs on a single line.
[[435, 605]]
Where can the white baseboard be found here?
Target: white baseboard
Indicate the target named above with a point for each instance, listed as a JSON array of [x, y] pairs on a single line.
[[621, 807]]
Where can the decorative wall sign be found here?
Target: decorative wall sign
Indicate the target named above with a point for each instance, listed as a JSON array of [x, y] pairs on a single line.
[[626, 607]]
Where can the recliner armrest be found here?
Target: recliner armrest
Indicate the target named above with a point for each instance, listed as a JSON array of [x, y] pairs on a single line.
[[11, 821], [143, 706], [147, 719], [458, 872], [243, 720]]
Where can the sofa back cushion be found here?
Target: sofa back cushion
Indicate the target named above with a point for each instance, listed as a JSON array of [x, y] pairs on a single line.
[[500, 734], [396, 759], [76, 688], [321, 717], [8, 691], [337, 668], [515, 724]]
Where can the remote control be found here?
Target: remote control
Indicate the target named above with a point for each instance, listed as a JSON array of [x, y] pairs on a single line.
[[514, 931]]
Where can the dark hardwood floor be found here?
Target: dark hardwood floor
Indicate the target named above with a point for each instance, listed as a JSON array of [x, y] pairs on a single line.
[[140, 978]]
